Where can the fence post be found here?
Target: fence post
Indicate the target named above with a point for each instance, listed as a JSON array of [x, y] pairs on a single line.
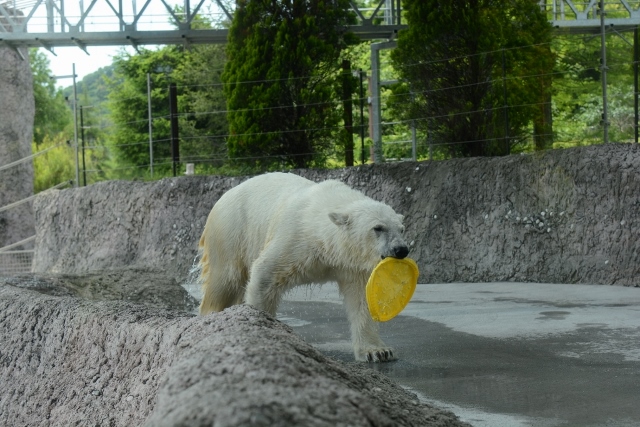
[[173, 112], [150, 125], [362, 74], [603, 76], [506, 105], [347, 102], [84, 165], [75, 123], [635, 84]]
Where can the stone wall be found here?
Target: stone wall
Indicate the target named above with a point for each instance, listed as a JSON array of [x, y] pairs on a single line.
[[17, 110], [562, 216]]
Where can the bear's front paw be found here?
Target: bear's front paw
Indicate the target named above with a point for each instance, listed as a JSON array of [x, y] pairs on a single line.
[[382, 354]]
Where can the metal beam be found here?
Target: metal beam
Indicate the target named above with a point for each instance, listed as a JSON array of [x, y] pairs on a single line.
[[51, 23], [569, 16], [376, 111], [113, 23]]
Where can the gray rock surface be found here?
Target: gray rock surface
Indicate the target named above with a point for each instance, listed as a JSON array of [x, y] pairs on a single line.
[[135, 285], [561, 216], [68, 361], [16, 133]]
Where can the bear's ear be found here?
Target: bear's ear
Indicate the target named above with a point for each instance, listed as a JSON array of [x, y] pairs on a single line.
[[339, 219], [400, 217]]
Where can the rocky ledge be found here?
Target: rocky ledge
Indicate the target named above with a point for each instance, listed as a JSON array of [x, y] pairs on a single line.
[[68, 361]]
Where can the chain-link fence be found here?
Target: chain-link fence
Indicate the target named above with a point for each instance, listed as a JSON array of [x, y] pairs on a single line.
[[15, 262]]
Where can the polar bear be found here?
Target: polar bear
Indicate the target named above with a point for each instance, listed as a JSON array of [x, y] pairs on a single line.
[[279, 230]]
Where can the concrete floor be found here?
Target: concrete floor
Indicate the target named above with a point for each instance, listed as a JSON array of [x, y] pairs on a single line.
[[502, 354]]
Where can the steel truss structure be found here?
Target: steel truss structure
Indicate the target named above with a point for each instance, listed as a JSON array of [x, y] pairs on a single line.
[[584, 16], [82, 23]]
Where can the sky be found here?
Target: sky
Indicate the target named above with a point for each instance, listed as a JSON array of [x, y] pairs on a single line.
[[62, 64]]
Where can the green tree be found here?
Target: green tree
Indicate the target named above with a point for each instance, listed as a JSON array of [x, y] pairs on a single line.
[[56, 165], [203, 124], [201, 108], [577, 97], [53, 114], [128, 104], [282, 81], [451, 62]]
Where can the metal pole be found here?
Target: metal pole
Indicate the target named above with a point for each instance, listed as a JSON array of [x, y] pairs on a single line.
[[376, 114], [84, 166], [347, 112], [173, 113], [635, 83], [414, 148], [505, 105], [150, 124], [375, 103], [603, 68], [361, 115], [50, 21], [75, 123]]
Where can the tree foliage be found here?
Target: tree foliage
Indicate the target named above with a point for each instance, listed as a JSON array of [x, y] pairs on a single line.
[[53, 114], [577, 95], [451, 62], [282, 80], [56, 165], [128, 103], [201, 106]]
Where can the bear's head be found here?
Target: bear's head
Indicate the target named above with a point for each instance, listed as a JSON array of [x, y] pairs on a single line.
[[373, 231]]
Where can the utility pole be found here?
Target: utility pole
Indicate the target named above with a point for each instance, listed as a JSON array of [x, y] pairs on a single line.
[[75, 122], [150, 124], [75, 118], [603, 77], [173, 113], [84, 165], [361, 74], [347, 103], [505, 107], [635, 83], [376, 114]]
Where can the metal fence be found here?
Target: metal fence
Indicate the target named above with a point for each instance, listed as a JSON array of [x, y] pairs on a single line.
[[15, 262]]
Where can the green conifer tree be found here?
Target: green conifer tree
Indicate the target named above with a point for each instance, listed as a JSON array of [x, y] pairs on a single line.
[[282, 80], [451, 58]]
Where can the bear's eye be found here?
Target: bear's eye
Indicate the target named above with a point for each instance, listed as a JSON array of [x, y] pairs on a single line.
[[378, 228]]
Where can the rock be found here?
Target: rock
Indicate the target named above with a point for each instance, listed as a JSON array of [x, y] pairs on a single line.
[[596, 188], [68, 361], [16, 134], [137, 285]]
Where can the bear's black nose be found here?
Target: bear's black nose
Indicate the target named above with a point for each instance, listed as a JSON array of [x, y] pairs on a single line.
[[400, 252]]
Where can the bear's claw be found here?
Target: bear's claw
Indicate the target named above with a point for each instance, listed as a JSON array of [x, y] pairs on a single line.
[[380, 356]]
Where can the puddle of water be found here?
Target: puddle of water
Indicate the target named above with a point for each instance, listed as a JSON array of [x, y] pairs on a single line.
[[292, 321], [480, 418], [553, 315]]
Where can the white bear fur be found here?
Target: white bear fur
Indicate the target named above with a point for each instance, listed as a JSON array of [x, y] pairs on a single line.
[[279, 230]]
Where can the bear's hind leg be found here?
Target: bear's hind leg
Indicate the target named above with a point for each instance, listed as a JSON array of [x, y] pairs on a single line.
[[222, 289]]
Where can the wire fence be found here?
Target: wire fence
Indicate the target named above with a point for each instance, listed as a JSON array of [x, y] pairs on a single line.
[[401, 137], [15, 262]]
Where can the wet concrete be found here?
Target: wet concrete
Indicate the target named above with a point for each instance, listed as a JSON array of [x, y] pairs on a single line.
[[502, 354]]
